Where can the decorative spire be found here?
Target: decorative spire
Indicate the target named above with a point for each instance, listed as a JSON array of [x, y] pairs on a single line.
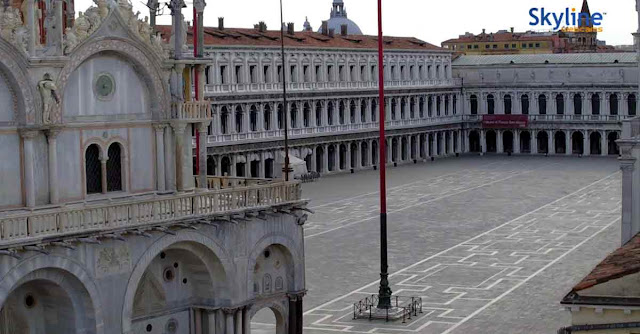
[[307, 25], [338, 9], [585, 20]]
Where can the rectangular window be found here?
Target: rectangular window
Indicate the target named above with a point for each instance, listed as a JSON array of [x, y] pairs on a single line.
[[294, 72], [469, 46], [506, 46], [363, 71], [537, 45], [238, 74], [475, 46], [524, 46], [265, 72], [224, 78], [207, 79], [318, 73], [307, 75], [280, 74], [253, 72], [487, 46], [495, 46], [530, 45], [513, 46], [330, 74]]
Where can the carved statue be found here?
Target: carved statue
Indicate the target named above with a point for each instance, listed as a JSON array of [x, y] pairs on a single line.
[[157, 44], [21, 38], [48, 91], [10, 20], [125, 9], [145, 30], [70, 41], [133, 23], [93, 17], [37, 16], [103, 8], [81, 27]]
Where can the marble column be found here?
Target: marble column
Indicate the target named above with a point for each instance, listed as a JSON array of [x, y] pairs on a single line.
[[246, 321], [627, 165], [551, 147], [604, 145], [103, 173], [179, 133], [52, 138], [160, 170], [586, 143], [483, 141], [239, 321], [29, 176], [202, 155], [534, 142], [347, 164], [211, 323], [516, 141], [500, 142], [325, 158], [569, 142], [229, 320]]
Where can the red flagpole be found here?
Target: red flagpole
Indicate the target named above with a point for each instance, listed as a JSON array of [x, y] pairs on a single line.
[[196, 80], [384, 294]]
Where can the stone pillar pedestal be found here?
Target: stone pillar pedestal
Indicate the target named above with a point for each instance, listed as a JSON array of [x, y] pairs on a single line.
[[627, 166]]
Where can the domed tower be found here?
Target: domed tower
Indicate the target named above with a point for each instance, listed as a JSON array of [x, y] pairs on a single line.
[[339, 18]]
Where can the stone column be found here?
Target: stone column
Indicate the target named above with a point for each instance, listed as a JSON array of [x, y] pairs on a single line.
[[179, 130], [534, 142], [169, 162], [603, 143], [314, 163], [551, 148], [586, 144], [246, 321], [229, 320], [516, 141], [483, 141], [627, 165], [347, 164], [239, 321], [160, 170], [52, 135], [467, 149], [211, 322], [202, 155], [295, 313], [569, 142], [29, 177], [500, 143], [103, 172]]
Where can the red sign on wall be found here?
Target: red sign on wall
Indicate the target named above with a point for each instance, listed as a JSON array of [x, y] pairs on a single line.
[[505, 121]]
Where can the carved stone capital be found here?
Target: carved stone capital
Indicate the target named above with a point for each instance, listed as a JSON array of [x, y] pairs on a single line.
[[28, 134], [159, 126], [179, 127], [229, 310], [627, 164], [295, 296], [53, 132], [202, 126]]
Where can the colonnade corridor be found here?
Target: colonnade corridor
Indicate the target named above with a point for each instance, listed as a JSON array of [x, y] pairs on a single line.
[[450, 221]]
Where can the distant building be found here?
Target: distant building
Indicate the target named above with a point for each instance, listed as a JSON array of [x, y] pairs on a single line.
[[531, 42], [338, 18]]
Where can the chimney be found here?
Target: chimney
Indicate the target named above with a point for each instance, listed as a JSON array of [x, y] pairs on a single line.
[[262, 27], [483, 31], [332, 32], [221, 23], [290, 28], [325, 28], [343, 30], [512, 30]]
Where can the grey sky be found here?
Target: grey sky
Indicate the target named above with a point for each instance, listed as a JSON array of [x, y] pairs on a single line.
[[431, 20]]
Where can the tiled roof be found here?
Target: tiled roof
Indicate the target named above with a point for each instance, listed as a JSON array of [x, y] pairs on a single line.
[[501, 37], [622, 262], [561, 58], [271, 38]]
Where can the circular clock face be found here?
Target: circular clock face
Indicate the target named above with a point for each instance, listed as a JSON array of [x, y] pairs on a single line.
[[104, 86]]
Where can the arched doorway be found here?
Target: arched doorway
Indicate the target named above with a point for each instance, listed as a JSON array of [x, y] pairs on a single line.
[[48, 300], [474, 142], [577, 143], [403, 150], [525, 142], [491, 141], [611, 143], [560, 142], [413, 148], [594, 143], [354, 156], [343, 157], [211, 165], [266, 321], [332, 158], [507, 141], [319, 158], [374, 153], [364, 154], [543, 142], [225, 164]]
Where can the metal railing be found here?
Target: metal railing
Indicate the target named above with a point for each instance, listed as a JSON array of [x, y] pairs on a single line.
[[64, 221], [191, 110], [409, 306], [564, 118]]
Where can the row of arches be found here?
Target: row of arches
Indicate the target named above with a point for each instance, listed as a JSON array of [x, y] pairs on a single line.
[[230, 119], [544, 142], [579, 105], [180, 281]]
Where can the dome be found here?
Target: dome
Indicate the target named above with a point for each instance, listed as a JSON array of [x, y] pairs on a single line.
[[339, 18]]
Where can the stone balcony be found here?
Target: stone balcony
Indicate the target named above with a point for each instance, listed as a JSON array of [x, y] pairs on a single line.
[[192, 111], [562, 118], [82, 221], [321, 86]]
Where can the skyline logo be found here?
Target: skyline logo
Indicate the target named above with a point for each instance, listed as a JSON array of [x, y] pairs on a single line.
[[568, 20]]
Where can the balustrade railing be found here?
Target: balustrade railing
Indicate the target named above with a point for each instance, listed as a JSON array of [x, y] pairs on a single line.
[[192, 110], [564, 118], [304, 86], [68, 221], [224, 182]]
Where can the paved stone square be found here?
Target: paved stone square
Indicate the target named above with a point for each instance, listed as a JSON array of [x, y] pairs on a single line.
[[491, 244]]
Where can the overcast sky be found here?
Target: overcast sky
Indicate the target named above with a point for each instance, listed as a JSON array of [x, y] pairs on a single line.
[[433, 21]]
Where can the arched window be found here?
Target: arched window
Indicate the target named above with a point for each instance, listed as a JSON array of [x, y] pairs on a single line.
[[524, 101], [507, 104], [542, 104], [421, 107], [577, 104], [238, 119], [438, 103], [474, 104], [293, 115], [267, 117], [560, 104], [280, 117], [455, 104], [93, 169], [114, 168], [631, 104], [253, 119], [613, 104], [430, 106], [330, 113], [595, 104], [491, 104], [224, 120], [374, 111], [318, 114], [306, 115], [446, 105]]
